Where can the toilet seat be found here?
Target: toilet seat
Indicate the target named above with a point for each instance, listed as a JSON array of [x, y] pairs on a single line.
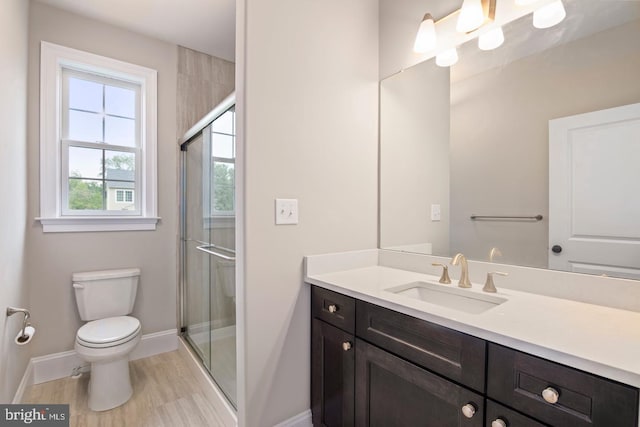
[[108, 332]]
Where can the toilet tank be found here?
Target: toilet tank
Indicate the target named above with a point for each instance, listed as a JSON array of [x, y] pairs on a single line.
[[105, 293]]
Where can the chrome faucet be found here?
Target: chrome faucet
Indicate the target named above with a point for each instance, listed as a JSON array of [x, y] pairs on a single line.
[[464, 270]]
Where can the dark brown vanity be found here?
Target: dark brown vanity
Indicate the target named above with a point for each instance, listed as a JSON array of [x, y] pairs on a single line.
[[371, 366]]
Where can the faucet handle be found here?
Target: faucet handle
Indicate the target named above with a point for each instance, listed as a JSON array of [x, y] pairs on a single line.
[[444, 278], [489, 286]]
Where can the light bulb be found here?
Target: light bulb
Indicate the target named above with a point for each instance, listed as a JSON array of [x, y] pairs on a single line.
[[471, 16], [447, 58], [491, 39], [549, 15], [426, 37]]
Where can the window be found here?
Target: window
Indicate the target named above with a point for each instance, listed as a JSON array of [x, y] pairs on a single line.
[[98, 143], [223, 159], [124, 196]]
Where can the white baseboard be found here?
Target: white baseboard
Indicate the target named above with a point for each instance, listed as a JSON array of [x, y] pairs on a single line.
[[301, 420], [59, 365], [27, 380], [222, 407]]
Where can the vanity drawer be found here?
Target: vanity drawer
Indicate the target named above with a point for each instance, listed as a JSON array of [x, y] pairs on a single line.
[[495, 413], [518, 380], [455, 355], [334, 308]]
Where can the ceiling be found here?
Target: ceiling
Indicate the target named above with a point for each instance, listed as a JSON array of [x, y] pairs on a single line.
[[204, 25]]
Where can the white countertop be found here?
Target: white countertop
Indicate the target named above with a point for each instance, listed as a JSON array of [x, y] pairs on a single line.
[[597, 339]]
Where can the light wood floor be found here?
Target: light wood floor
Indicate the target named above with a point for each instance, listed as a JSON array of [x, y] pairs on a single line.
[[166, 392]]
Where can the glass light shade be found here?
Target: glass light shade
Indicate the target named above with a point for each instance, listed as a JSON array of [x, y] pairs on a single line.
[[447, 58], [491, 39], [426, 37], [549, 15], [525, 2], [471, 16]]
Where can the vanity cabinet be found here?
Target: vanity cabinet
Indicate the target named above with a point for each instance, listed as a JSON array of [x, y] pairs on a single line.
[[372, 366]]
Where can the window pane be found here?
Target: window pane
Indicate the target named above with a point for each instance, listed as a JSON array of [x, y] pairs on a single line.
[[119, 131], [223, 187], [120, 169], [224, 123], [85, 194], [120, 102], [222, 146], [85, 162], [120, 165], [85, 95], [85, 126]]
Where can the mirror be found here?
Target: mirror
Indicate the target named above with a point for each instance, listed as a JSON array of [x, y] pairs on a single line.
[[539, 140]]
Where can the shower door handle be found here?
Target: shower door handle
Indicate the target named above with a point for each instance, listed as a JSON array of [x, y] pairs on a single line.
[[205, 248]]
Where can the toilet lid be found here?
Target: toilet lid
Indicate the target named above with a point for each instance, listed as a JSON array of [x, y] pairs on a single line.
[[109, 331]]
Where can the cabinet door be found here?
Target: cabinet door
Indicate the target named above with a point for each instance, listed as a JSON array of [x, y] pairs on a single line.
[[332, 375], [393, 392]]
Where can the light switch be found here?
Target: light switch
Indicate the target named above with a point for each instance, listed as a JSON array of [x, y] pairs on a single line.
[[435, 212], [286, 211]]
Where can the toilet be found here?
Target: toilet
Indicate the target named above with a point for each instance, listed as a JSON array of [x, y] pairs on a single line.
[[104, 299]]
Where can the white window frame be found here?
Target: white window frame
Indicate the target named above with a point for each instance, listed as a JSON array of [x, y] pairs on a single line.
[[53, 216], [124, 194]]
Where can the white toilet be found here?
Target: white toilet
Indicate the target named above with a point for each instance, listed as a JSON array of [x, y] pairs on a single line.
[[104, 299]]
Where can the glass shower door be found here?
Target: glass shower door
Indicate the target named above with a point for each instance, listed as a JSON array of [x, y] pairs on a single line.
[[209, 249]]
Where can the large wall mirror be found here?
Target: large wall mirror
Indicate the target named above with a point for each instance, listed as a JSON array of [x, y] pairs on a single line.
[[528, 154]]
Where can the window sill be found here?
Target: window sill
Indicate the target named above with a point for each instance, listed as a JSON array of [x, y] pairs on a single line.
[[101, 223]]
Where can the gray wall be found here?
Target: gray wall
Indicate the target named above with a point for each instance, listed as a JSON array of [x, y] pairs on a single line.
[[53, 257], [13, 191], [499, 136], [310, 127]]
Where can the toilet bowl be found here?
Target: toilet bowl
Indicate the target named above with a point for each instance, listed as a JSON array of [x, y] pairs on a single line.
[[105, 298], [106, 344]]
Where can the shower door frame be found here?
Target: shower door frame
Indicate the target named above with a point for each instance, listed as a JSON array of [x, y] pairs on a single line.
[[190, 136]]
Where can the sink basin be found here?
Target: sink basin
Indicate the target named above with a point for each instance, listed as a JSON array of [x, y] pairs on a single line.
[[450, 297]]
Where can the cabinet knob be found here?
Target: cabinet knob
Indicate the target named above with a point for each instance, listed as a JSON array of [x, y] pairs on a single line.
[[469, 410], [550, 395], [498, 422], [346, 346], [332, 308]]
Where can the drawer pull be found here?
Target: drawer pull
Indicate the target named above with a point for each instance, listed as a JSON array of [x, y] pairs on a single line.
[[346, 346], [550, 395], [498, 422], [469, 410], [332, 308]]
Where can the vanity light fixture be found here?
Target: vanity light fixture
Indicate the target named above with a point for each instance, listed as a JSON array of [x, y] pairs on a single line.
[[491, 39], [525, 2], [474, 13], [549, 15], [426, 37], [447, 58]]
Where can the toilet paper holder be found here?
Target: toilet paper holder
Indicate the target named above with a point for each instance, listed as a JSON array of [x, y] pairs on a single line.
[[25, 322]]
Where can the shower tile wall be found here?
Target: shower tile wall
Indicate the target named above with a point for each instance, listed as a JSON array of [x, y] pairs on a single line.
[[203, 82]]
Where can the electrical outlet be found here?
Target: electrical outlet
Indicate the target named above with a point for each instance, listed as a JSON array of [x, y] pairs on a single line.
[[435, 213]]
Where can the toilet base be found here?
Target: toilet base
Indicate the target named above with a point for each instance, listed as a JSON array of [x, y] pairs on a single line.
[[110, 384]]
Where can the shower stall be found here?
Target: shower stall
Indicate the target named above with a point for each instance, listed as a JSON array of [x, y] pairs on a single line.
[[207, 256]]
